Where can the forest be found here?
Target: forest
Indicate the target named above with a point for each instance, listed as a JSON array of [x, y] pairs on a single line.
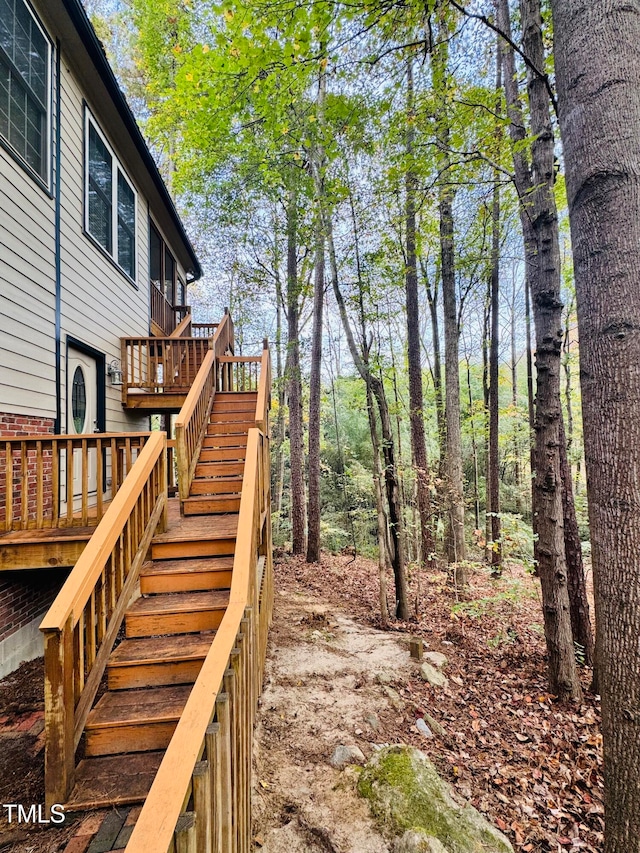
[[430, 209]]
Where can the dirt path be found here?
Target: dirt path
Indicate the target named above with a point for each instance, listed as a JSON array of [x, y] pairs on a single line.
[[327, 684]]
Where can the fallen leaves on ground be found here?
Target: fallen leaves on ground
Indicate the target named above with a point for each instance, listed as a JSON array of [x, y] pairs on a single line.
[[531, 764]]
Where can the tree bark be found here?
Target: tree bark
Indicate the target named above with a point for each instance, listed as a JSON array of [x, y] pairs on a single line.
[[296, 437], [318, 166], [416, 404], [494, 471], [540, 226], [598, 77], [456, 548], [374, 383]]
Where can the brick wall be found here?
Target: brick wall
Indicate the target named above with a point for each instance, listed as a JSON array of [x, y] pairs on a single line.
[[24, 595], [15, 426]]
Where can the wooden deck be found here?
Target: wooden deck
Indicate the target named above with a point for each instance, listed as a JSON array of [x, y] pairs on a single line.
[[43, 549]]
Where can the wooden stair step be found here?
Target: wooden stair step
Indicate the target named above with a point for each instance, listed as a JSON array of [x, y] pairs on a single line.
[[113, 780], [216, 486], [219, 469], [157, 661], [134, 720], [221, 414], [235, 396], [222, 454], [234, 405], [236, 440], [186, 575], [176, 613], [229, 427], [197, 537], [209, 504]]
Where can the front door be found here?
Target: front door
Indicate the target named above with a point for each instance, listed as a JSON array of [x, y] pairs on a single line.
[[82, 417]]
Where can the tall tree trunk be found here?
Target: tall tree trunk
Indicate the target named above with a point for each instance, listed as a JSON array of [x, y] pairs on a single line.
[[296, 437], [494, 470], [474, 449], [381, 516], [280, 421], [598, 76], [313, 516], [540, 226], [456, 548], [318, 165], [531, 409], [486, 336], [432, 299], [416, 415], [578, 602], [514, 402], [374, 382]]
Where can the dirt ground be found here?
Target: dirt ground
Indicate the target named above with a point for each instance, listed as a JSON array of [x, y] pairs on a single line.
[[531, 765]]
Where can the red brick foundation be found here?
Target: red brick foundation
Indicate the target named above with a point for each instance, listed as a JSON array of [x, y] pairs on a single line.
[[24, 595]]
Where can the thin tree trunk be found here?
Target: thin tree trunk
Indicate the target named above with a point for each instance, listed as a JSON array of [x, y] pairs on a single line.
[[456, 548], [280, 421], [432, 298], [514, 402], [598, 76], [578, 602], [486, 334], [494, 474], [296, 439], [313, 519], [474, 449], [381, 516], [416, 416], [374, 382], [540, 226], [313, 516]]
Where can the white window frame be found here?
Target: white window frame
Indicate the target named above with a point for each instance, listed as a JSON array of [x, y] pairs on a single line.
[[117, 169], [45, 179]]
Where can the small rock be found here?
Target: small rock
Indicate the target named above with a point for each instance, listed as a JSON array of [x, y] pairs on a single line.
[[394, 697], [358, 731], [384, 678], [435, 726], [423, 728], [457, 680], [372, 721], [432, 675], [437, 659], [417, 842], [344, 755]]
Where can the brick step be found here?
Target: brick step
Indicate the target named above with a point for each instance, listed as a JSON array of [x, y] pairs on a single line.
[[134, 720], [186, 575], [157, 661], [176, 613]]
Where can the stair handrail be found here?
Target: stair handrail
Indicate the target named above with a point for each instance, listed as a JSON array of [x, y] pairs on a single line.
[[263, 401], [227, 688], [81, 625], [191, 422]]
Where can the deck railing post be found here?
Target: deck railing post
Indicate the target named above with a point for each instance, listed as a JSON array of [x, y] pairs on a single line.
[[202, 806], [212, 746], [59, 714], [223, 713]]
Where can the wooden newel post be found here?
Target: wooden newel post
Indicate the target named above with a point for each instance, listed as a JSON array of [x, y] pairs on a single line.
[[59, 760]]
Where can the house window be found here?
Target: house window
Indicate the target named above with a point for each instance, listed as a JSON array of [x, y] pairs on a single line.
[[162, 265], [110, 203], [25, 66]]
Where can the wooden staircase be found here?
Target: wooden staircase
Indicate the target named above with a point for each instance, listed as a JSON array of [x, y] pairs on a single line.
[[169, 629], [217, 483]]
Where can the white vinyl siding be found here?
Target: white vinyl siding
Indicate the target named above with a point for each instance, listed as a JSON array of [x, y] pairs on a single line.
[[99, 305], [27, 294]]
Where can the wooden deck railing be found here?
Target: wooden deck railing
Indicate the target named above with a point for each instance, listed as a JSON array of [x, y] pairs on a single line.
[[82, 623], [183, 329], [163, 314], [201, 796], [238, 373], [49, 481], [203, 330], [161, 365], [191, 422]]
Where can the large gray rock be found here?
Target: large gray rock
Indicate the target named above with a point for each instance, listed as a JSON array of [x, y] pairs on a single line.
[[437, 659], [417, 842], [406, 793]]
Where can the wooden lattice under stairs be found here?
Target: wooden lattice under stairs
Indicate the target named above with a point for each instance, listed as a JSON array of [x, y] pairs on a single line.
[[155, 647]]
